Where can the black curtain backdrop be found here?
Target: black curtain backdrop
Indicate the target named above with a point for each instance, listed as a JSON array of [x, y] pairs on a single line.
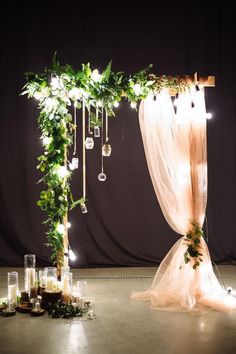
[[124, 225]]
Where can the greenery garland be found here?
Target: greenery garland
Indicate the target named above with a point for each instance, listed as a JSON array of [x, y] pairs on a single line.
[[56, 90]]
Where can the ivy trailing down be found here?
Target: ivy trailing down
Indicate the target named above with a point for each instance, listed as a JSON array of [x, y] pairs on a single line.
[[57, 90]]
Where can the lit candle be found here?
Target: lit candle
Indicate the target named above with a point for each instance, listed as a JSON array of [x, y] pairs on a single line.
[[30, 277], [50, 284], [12, 293]]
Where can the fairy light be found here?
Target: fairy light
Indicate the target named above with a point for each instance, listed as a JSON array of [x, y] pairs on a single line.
[[116, 104], [72, 256], [133, 105], [209, 115], [60, 228], [95, 76]]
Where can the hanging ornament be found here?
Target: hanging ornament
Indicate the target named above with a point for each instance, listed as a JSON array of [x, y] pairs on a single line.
[[96, 131], [74, 164], [89, 143], [83, 208], [106, 149], [75, 128], [89, 121], [102, 177]]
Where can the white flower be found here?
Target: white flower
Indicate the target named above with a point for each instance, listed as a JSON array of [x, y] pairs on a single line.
[[56, 83], [137, 89], [51, 103], [74, 93]]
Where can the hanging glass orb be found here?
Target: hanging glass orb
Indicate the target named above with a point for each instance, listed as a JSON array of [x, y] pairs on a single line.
[[83, 208], [89, 143], [96, 131], [102, 177], [106, 150]]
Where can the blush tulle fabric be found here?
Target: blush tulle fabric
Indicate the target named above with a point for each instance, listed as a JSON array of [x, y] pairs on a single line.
[[175, 149]]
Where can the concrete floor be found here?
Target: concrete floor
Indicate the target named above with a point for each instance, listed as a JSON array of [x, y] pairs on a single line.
[[122, 326]]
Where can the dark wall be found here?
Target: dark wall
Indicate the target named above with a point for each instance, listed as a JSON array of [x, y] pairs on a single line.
[[124, 226]]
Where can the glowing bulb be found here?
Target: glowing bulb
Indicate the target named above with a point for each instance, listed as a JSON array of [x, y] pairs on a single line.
[[133, 104], [46, 140], [208, 115], [61, 228], [95, 76], [116, 104], [62, 172], [72, 256], [68, 224]]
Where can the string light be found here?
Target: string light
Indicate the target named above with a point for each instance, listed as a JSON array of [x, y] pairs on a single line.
[[95, 76], [72, 256], [60, 229], [208, 115], [133, 104], [116, 104]]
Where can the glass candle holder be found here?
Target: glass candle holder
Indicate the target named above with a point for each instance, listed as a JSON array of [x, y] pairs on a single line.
[[30, 271], [42, 278], [83, 208], [102, 177], [66, 284], [89, 143], [51, 278], [12, 279], [106, 150], [96, 131]]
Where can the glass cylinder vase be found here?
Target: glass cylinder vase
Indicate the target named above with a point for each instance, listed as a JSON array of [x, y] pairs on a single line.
[[51, 279], [30, 275], [66, 284], [12, 280]]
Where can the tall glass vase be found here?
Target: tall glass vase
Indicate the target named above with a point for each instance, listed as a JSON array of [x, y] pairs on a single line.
[[30, 275]]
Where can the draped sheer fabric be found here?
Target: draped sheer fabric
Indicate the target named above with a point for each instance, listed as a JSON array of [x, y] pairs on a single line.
[[176, 153]]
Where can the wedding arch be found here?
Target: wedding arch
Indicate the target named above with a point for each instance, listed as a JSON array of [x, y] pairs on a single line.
[[172, 116], [61, 92]]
